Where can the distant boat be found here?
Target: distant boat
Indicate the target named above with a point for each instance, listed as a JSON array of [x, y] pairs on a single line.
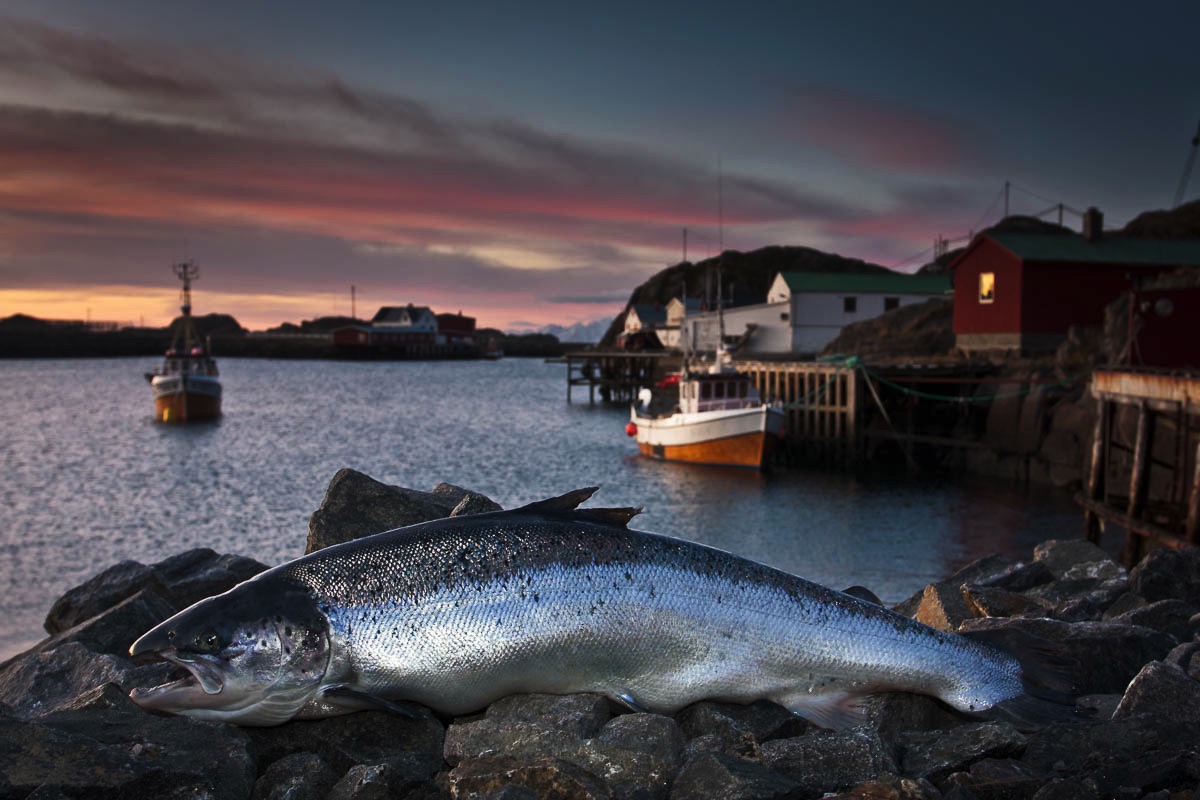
[[492, 350], [715, 417], [187, 387]]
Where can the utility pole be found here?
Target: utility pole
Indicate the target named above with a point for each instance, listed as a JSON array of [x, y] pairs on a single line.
[[1187, 169], [353, 306], [1006, 185]]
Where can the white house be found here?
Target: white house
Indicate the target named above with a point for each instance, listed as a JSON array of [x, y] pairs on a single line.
[[645, 316], [410, 318], [817, 305]]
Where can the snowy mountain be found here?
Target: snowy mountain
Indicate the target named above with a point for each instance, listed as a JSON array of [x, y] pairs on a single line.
[[580, 332]]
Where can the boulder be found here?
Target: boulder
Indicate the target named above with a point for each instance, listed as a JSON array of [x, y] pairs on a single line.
[[1163, 691], [357, 505], [935, 755], [1167, 574], [826, 761], [716, 776], [300, 776], [113, 753]]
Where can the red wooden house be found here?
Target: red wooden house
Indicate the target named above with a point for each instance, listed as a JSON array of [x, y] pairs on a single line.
[[1021, 291]]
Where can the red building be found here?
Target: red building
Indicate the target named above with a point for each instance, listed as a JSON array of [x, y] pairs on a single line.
[[1020, 292], [456, 329]]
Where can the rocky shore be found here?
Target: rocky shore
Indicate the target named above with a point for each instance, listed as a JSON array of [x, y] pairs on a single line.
[[68, 728]]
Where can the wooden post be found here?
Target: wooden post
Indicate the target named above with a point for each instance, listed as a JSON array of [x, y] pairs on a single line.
[[1137, 483], [1097, 472], [1192, 527]]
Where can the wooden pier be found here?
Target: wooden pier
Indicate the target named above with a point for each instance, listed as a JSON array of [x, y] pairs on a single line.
[[1145, 467], [617, 374], [822, 401]]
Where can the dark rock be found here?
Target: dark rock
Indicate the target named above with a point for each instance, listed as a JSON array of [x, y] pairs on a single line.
[[1067, 789], [580, 716], [716, 776], [1077, 559], [545, 777], [111, 753], [413, 747], [370, 782], [997, 779], [1109, 654], [828, 762], [633, 752], [356, 505], [1187, 657], [937, 754], [890, 787], [1126, 602], [299, 776], [1167, 574], [44, 680], [982, 571], [763, 720], [114, 630], [1163, 691], [638, 755], [100, 593], [989, 601], [1173, 617], [1139, 751], [1021, 577], [1078, 599], [196, 574], [892, 714]]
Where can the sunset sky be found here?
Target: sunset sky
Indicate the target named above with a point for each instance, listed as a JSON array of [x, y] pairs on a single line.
[[532, 162]]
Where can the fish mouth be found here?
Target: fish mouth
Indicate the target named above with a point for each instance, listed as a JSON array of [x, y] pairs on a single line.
[[204, 678]]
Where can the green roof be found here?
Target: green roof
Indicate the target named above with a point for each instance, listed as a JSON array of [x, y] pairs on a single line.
[[1108, 250], [866, 282]]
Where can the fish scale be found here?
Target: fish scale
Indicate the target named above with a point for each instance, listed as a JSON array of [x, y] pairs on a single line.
[[456, 613]]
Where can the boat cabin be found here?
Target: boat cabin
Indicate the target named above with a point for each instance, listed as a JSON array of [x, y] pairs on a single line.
[[719, 392]]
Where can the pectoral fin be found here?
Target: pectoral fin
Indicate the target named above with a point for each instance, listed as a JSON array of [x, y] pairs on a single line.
[[835, 710], [341, 696]]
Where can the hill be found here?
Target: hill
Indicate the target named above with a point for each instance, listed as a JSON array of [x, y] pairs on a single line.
[[742, 275]]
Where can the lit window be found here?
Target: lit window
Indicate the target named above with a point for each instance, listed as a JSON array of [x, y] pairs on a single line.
[[987, 287]]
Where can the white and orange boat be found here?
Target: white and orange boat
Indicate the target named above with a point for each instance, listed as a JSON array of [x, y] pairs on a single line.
[[187, 387], [715, 417]]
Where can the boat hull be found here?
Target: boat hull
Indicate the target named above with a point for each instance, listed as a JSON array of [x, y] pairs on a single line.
[[738, 438], [194, 398]]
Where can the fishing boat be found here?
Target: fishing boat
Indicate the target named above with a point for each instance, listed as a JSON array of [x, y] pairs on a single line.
[[714, 416], [187, 387], [492, 351]]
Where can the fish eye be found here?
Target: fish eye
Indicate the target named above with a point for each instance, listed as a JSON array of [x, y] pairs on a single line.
[[207, 641]]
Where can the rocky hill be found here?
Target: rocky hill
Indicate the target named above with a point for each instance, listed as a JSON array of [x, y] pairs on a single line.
[[742, 275]]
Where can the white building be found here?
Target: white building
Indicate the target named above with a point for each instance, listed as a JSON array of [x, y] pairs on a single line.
[[807, 310], [409, 318]]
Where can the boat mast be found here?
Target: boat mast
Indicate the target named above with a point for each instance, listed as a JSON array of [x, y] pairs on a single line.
[[186, 271]]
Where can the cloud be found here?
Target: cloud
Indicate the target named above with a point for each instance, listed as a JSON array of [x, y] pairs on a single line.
[[876, 132], [115, 154]]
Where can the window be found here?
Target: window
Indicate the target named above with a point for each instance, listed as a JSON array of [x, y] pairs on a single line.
[[783, 317], [849, 304], [987, 287], [891, 303]]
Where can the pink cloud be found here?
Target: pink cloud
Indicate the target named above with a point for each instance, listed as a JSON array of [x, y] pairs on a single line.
[[873, 132]]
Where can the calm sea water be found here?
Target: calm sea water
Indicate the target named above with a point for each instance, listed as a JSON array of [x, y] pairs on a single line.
[[90, 479]]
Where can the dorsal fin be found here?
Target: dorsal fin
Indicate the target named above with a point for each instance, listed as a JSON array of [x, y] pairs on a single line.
[[568, 504]]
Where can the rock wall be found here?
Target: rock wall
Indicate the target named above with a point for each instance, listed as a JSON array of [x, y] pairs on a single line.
[[69, 729]]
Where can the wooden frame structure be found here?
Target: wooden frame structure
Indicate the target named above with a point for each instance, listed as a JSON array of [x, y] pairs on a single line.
[[1159, 469]]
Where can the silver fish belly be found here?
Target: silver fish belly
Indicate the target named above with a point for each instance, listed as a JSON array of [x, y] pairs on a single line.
[[457, 613]]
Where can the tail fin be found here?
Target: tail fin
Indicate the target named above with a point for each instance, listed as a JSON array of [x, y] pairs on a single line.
[[1048, 676]]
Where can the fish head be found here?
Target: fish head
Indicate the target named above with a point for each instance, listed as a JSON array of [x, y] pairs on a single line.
[[254, 655]]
